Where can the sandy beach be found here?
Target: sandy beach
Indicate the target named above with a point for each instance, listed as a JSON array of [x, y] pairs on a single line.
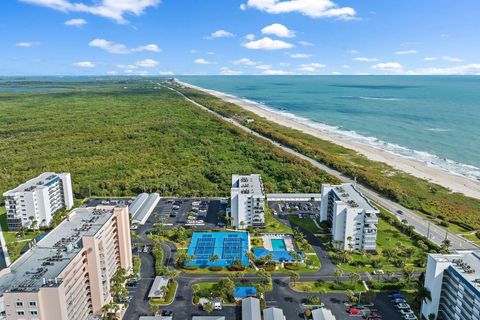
[[416, 168]]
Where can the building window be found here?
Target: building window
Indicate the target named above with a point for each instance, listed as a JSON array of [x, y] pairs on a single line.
[[19, 304], [20, 313], [32, 304], [33, 312]]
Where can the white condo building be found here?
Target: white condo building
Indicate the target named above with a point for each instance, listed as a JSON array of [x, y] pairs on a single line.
[[247, 201], [454, 284], [353, 219], [38, 199]]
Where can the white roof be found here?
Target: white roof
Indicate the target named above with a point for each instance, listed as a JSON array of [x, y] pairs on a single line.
[[208, 318], [156, 290], [41, 181], [322, 314], [273, 314], [251, 309]]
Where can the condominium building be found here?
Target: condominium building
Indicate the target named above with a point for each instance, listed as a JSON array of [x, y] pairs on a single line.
[[37, 200], [352, 218], [67, 274], [247, 201], [454, 284]]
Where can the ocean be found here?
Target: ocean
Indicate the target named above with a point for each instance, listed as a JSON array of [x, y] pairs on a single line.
[[433, 119]]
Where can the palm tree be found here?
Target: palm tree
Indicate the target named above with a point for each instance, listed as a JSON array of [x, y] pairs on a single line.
[[407, 274], [321, 292], [354, 277], [208, 307], [338, 273], [314, 300], [423, 295], [264, 274], [195, 288], [251, 256], [350, 245], [214, 258], [294, 276]]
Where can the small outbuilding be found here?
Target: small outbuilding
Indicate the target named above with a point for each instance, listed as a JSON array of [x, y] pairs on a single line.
[[156, 291]]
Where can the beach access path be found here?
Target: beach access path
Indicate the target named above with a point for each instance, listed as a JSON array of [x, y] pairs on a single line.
[[434, 232]]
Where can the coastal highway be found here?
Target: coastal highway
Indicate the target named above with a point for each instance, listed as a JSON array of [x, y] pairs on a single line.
[[434, 232]]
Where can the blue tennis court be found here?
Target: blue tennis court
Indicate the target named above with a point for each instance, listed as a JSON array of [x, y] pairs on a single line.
[[228, 246]]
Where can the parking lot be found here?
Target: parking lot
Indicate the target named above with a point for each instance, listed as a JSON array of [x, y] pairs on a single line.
[[93, 202], [310, 208], [195, 213]]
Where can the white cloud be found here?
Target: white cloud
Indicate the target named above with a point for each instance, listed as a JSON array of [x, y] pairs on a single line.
[[111, 9], [165, 73], [112, 73], [389, 67], [345, 66], [245, 62], [306, 43], [404, 52], [126, 66], [284, 64], [310, 8], [336, 73], [470, 69], [364, 59], [264, 67], [300, 55], [430, 58], [119, 48], [227, 72], [451, 59], [271, 72], [353, 51], [311, 67], [26, 44], [220, 34], [84, 64], [250, 37], [278, 30], [75, 22], [147, 63], [267, 44], [202, 61]]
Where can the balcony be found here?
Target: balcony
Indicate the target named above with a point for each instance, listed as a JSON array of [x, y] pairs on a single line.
[[371, 219]]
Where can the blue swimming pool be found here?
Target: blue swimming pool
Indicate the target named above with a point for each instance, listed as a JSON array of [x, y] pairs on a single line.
[[227, 246], [243, 292], [278, 245]]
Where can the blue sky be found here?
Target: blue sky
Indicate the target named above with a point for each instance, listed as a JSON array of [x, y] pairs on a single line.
[[133, 37]]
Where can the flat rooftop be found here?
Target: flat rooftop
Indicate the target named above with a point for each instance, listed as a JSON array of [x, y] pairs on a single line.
[[251, 184], [37, 182], [49, 257], [349, 195], [466, 263]]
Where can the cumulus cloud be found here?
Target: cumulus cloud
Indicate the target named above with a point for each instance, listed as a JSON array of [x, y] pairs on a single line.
[[264, 67], [404, 52], [430, 58], [244, 62], [84, 64], [202, 61], [306, 43], [165, 73], [300, 55], [311, 67], [220, 34], [75, 22], [470, 69], [119, 48], [451, 59], [228, 72], [271, 72], [353, 51], [389, 67], [250, 36], [111, 9], [365, 59], [278, 30], [267, 43], [147, 63], [310, 8], [26, 44]]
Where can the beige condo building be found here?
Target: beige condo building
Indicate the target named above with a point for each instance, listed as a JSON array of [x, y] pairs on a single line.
[[66, 275]]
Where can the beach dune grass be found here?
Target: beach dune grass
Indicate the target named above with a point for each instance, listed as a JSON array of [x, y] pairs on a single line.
[[434, 201]]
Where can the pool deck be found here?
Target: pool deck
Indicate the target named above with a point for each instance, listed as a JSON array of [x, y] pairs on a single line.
[[287, 238]]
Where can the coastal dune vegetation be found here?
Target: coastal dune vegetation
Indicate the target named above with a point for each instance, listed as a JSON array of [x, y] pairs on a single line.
[[455, 211], [122, 137]]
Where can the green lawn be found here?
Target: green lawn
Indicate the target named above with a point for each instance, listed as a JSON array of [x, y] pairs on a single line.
[[14, 243], [305, 223], [169, 297], [328, 286], [272, 225]]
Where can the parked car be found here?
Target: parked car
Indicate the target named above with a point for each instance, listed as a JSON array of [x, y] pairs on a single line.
[[403, 306], [378, 272], [167, 313], [397, 301], [145, 249], [399, 211], [406, 311], [410, 316], [195, 203]]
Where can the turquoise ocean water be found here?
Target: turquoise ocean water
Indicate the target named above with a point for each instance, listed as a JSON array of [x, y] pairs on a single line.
[[433, 119]]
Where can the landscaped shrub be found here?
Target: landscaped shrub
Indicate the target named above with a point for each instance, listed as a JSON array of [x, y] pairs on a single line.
[[215, 268], [292, 266], [269, 267], [191, 268], [376, 264], [196, 299], [236, 268]]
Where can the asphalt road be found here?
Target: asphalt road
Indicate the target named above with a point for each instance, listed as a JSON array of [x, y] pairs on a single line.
[[436, 233]]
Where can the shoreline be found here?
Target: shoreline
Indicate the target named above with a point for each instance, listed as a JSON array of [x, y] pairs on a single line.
[[456, 183]]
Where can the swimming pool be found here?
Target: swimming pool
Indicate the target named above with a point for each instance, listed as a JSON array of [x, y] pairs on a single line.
[[227, 246], [278, 245]]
